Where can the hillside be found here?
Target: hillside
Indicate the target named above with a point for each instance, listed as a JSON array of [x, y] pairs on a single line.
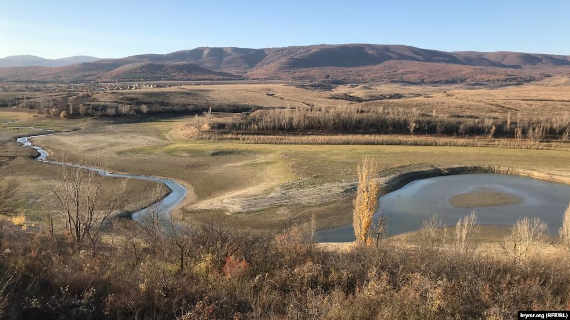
[[156, 71], [34, 61], [347, 62]]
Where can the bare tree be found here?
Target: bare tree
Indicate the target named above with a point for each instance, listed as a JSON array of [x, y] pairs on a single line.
[[181, 238], [79, 197], [152, 226], [379, 229]]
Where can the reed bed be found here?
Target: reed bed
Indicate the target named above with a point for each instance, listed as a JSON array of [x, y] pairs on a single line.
[[380, 139]]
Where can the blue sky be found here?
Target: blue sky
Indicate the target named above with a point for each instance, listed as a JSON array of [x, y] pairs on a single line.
[[118, 28]]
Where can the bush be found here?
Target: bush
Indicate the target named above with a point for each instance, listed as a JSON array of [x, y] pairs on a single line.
[[236, 276], [526, 234]]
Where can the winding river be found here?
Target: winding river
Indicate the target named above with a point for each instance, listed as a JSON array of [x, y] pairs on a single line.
[[164, 206]]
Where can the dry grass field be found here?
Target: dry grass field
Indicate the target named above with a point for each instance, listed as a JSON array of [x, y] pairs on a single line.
[[254, 201], [262, 187], [535, 100]]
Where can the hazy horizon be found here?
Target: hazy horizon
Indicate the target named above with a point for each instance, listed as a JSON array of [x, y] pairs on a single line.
[[107, 29], [313, 44]]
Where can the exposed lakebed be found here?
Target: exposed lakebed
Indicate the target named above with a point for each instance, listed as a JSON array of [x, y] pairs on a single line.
[[497, 200]]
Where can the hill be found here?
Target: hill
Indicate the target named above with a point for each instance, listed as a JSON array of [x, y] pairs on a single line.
[[34, 61], [346, 62]]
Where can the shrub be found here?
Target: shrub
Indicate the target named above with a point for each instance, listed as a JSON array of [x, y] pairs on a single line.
[[526, 234], [234, 267], [433, 233]]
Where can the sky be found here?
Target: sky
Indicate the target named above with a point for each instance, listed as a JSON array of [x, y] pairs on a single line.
[[112, 29]]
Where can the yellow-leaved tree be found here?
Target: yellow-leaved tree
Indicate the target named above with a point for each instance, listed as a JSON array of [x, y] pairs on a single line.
[[366, 201]]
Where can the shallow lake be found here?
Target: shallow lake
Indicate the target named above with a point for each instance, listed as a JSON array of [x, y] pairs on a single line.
[[497, 200]]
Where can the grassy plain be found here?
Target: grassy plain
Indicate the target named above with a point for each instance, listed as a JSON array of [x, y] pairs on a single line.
[[266, 186], [260, 187]]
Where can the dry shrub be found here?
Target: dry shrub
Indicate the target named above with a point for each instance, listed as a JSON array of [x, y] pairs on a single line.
[[565, 229], [188, 131], [525, 235], [464, 230], [234, 267], [52, 282], [433, 233], [379, 230], [294, 239], [366, 201]]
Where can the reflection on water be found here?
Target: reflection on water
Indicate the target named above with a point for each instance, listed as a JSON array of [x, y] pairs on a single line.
[[406, 208]]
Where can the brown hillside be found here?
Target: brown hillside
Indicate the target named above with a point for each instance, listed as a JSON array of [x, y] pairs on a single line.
[[347, 62], [156, 71]]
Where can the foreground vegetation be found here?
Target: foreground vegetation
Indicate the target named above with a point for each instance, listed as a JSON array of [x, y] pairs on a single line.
[[260, 269], [212, 273], [103, 268]]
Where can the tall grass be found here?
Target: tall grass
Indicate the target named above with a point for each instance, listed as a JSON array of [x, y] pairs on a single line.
[[366, 201], [464, 230], [8, 189], [433, 233], [565, 229], [373, 139]]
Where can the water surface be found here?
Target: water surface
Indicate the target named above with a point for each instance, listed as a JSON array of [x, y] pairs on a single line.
[[506, 199]]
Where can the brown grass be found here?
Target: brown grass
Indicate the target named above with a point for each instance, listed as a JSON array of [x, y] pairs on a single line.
[[565, 229], [433, 233], [235, 276], [379, 139], [464, 230]]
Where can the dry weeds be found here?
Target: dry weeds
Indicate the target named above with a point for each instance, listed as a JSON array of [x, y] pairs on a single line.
[[464, 231], [565, 229], [526, 235]]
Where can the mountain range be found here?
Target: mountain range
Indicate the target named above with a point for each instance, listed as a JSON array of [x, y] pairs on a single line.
[[35, 61], [345, 62]]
